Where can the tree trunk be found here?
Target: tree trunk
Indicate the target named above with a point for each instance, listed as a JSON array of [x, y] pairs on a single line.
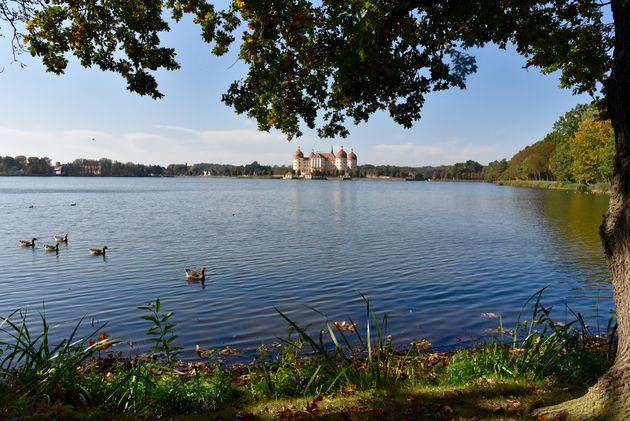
[[609, 398]]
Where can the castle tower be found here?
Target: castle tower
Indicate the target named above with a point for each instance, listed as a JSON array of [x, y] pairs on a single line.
[[352, 162], [298, 160], [341, 160]]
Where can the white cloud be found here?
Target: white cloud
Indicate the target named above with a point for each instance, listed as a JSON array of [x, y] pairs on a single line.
[[445, 152], [250, 137], [140, 137], [7, 134], [406, 149], [165, 144], [84, 135], [175, 128]]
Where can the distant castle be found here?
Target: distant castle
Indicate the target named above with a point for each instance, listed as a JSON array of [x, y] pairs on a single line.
[[324, 163]]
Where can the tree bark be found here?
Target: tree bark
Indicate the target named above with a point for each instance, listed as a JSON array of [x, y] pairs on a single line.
[[609, 398]]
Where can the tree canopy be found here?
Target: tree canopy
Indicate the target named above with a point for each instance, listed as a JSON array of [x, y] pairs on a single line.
[[580, 148], [593, 150], [321, 64]]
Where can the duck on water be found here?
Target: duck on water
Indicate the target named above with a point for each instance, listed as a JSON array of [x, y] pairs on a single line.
[[27, 243], [98, 252], [55, 248], [193, 275], [61, 238]]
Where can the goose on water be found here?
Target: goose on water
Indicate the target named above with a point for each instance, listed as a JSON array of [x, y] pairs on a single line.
[[98, 252], [27, 243], [54, 248], [61, 238], [193, 275]]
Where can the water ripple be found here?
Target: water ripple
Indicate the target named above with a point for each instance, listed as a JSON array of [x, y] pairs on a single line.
[[434, 256]]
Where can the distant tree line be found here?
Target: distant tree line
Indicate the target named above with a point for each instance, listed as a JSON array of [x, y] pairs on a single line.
[[469, 170], [580, 148], [107, 168], [104, 167], [226, 170], [21, 165]]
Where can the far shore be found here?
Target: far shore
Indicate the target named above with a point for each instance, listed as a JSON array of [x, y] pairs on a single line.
[[596, 188]]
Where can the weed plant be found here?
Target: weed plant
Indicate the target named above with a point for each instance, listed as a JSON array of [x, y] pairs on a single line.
[[35, 368], [162, 333], [537, 349], [151, 385], [144, 389], [32, 372], [285, 373], [351, 362]]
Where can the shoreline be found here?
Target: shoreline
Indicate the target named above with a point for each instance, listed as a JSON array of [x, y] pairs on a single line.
[[598, 188], [357, 378]]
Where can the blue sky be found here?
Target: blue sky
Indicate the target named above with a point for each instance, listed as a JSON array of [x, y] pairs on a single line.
[[503, 109]]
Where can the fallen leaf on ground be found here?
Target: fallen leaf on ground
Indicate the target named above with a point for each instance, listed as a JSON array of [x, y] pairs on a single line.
[[311, 408], [349, 390]]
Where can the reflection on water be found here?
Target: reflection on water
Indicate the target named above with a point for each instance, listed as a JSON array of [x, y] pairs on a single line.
[[434, 256], [577, 218]]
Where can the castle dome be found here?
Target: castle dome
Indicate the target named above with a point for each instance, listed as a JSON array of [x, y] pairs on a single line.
[[342, 153], [298, 154], [352, 156]]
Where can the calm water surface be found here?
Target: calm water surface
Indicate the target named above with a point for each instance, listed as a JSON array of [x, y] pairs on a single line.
[[433, 256]]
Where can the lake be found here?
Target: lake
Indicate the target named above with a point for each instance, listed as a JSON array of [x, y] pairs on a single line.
[[433, 256]]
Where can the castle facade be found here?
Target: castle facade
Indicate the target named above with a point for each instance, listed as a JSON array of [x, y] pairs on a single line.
[[325, 163]]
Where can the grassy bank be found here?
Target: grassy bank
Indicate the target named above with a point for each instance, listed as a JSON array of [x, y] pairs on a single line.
[[336, 372], [600, 188]]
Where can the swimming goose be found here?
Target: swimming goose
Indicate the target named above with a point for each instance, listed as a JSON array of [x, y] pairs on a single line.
[[26, 243], [54, 248], [98, 252], [193, 275], [61, 238]]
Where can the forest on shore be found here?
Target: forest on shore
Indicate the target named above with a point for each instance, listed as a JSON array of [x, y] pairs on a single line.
[[580, 148]]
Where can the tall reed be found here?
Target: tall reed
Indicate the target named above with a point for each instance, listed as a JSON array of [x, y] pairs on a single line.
[[35, 367], [538, 348], [350, 359]]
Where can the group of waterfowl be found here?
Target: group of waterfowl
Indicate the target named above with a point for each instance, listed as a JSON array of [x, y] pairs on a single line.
[[60, 239], [191, 273], [71, 204]]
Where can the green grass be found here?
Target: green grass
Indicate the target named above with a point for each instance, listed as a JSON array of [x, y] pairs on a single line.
[[33, 367], [341, 368], [539, 348], [600, 188]]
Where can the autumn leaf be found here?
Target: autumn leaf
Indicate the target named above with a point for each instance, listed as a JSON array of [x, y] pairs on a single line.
[[343, 325], [349, 390], [228, 350], [422, 344]]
